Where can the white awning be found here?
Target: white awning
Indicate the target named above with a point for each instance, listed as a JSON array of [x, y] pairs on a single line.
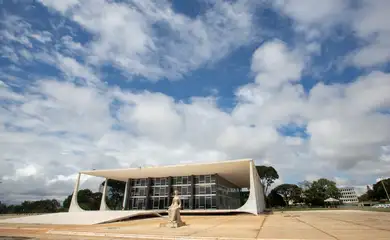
[[331, 200], [235, 171]]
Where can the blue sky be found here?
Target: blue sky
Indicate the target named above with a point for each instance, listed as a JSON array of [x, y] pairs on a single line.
[[297, 84]]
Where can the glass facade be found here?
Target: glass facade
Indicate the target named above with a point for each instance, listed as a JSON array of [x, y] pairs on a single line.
[[196, 192]]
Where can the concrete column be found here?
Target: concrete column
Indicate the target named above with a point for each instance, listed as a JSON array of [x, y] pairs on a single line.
[[169, 192], [217, 182], [125, 204], [103, 204], [256, 201], [74, 205], [148, 203], [192, 198]]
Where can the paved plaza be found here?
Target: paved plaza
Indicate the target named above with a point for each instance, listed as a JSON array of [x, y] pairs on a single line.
[[328, 224]]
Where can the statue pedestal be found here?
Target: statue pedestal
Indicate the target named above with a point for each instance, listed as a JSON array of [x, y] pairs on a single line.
[[173, 224]]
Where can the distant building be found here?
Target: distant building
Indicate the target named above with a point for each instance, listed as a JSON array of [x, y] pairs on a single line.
[[348, 195]]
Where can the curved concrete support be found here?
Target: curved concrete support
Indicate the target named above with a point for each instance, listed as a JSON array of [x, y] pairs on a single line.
[[74, 205], [103, 204], [256, 202], [126, 195]]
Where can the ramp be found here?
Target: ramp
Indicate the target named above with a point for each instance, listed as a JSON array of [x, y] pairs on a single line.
[[81, 218]]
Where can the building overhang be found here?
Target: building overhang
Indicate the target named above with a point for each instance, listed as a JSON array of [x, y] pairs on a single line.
[[235, 171]]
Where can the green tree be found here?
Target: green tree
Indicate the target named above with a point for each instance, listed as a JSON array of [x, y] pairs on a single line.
[[244, 195], [3, 208], [87, 200], [267, 175], [115, 193], [369, 195], [275, 200], [317, 191], [379, 191], [40, 206], [289, 192]]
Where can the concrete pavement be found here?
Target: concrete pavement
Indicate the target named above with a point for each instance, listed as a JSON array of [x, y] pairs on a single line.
[[339, 225]]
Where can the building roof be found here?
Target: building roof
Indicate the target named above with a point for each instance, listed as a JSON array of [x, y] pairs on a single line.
[[331, 200], [235, 171]]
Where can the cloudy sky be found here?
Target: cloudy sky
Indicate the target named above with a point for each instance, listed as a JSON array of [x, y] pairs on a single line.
[[302, 85]]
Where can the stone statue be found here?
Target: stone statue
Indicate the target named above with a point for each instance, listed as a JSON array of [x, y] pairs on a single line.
[[174, 219], [174, 209]]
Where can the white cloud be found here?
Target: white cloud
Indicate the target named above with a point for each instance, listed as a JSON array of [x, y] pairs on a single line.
[[270, 58], [126, 35], [314, 18], [368, 20], [61, 6], [312, 12], [71, 127], [74, 69], [370, 24]]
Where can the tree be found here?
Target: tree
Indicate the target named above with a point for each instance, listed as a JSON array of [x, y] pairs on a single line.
[[87, 200], [244, 195], [368, 196], [275, 200], [267, 175], [379, 191], [3, 208], [319, 190], [289, 192], [41, 206], [115, 193]]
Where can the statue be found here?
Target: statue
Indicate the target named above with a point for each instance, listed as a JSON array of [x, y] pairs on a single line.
[[174, 209], [174, 219]]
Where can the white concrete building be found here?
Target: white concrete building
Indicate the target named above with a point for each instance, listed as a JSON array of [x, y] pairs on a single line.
[[348, 195], [204, 188]]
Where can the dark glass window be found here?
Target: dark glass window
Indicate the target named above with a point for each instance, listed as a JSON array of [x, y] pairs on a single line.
[[214, 201], [185, 180], [201, 202], [202, 190], [155, 203], [174, 180], [179, 180], [201, 179], [208, 189], [207, 179], [197, 202], [213, 191], [142, 191], [196, 179], [186, 203], [157, 181], [208, 202], [213, 178]]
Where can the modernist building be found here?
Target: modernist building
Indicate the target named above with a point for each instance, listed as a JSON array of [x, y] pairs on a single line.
[[348, 195], [202, 187]]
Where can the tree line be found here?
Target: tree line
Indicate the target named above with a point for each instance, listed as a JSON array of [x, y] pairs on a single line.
[[41, 206], [307, 193]]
